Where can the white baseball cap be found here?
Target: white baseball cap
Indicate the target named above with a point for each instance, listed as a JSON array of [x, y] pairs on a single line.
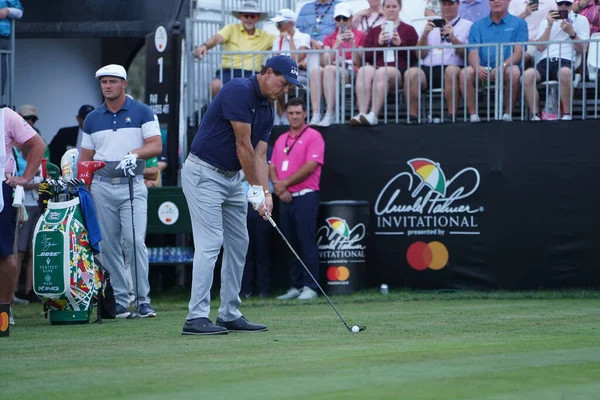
[[285, 15], [343, 10], [112, 70]]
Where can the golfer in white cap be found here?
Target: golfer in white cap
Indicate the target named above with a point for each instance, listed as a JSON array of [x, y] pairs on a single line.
[[123, 133]]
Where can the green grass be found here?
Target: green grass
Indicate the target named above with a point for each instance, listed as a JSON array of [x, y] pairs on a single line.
[[533, 345]]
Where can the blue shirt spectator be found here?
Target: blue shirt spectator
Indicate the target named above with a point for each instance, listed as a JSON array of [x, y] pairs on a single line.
[[474, 10], [316, 19], [508, 30], [239, 100], [9, 9]]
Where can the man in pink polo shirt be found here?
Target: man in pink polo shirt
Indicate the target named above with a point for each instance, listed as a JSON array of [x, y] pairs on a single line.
[[295, 170], [14, 131], [442, 60]]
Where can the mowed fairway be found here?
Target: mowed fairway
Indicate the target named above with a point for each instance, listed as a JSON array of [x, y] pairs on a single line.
[[538, 345]]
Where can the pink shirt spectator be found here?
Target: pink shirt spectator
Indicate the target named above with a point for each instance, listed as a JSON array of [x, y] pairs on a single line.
[[359, 40], [16, 131], [592, 13], [308, 145], [517, 7], [444, 53], [364, 21]]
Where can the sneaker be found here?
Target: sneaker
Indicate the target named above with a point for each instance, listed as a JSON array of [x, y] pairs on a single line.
[[566, 117], [369, 119], [316, 118], [241, 325], [307, 294], [11, 320], [413, 120], [506, 117], [355, 120], [146, 311], [292, 293], [535, 117], [18, 301], [122, 312], [202, 326], [327, 120], [474, 118], [283, 120], [548, 116]]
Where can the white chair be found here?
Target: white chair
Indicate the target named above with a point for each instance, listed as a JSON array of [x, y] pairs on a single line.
[[593, 58]]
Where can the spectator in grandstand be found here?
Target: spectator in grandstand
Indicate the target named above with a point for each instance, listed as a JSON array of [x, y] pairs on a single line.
[[290, 39], [474, 10], [69, 137], [442, 60], [9, 9], [323, 78], [369, 18], [591, 10], [383, 69], [433, 8], [556, 60], [499, 27], [533, 12], [244, 37]]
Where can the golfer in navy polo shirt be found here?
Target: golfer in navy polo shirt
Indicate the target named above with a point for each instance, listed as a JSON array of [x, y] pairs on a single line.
[[232, 136]]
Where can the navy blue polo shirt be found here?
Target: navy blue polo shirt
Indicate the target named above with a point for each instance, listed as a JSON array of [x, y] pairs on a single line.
[[238, 100], [113, 135], [510, 29]]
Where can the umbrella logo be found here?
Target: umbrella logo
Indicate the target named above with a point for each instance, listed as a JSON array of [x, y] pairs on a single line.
[[339, 226], [431, 175]]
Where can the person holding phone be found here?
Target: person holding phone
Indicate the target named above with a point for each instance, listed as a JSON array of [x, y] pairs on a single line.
[[533, 12], [443, 60], [323, 78], [383, 69], [556, 61]]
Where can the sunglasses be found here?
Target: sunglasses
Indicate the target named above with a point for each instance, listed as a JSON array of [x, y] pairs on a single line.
[[563, 3], [250, 16], [340, 18], [280, 24], [30, 118]]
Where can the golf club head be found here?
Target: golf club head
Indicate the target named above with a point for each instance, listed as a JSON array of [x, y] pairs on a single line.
[[360, 328]]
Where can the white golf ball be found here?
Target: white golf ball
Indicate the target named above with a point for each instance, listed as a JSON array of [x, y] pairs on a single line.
[[355, 329]]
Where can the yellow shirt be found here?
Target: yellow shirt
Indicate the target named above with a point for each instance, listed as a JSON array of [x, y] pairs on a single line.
[[237, 39]]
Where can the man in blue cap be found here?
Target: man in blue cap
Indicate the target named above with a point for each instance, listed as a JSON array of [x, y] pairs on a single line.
[[232, 137], [69, 137]]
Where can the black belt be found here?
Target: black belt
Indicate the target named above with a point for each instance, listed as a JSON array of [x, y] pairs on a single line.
[[195, 159]]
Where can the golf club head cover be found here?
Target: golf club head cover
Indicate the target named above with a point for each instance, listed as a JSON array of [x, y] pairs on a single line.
[[128, 164], [44, 194], [53, 170], [68, 164], [86, 169], [256, 196]]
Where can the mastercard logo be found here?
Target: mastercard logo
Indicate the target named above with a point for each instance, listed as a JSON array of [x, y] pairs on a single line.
[[4, 320], [338, 273], [421, 255]]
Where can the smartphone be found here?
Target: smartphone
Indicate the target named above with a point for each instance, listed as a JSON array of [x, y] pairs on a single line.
[[562, 14], [439, 22], [388, 27], [534, 2], [344, 28]]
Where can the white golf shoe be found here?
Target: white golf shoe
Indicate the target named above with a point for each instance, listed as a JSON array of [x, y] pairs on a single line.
[[307, 294], [292, 293]]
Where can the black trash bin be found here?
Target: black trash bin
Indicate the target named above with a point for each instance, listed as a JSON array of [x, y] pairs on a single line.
[[342, 244]]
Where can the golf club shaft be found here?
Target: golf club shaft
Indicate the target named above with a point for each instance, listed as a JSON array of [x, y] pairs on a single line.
[[137, 286], [306, 268]]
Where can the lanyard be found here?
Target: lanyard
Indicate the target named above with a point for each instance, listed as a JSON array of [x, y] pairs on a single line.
[[288, 149], [365, 21], [320, 18]]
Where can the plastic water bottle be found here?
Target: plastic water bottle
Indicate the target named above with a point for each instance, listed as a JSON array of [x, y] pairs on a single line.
[[383, 289]]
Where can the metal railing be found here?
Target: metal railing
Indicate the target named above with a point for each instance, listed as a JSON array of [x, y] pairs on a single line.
[[7, 70], [352, 89]]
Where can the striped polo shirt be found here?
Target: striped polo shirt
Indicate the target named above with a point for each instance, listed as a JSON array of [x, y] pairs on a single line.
[[113, 135]]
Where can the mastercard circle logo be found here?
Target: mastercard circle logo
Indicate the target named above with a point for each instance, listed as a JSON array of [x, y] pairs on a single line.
[[421, 255], [338, 273], [4, 321]]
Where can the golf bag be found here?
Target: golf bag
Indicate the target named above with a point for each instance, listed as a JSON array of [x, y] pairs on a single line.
[[65, 275]]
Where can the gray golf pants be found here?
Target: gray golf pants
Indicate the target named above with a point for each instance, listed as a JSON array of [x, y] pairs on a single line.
[[218, 210], [113, 209]]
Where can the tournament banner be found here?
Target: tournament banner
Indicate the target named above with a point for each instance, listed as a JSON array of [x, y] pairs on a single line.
[[483, 206], [65, 276]]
